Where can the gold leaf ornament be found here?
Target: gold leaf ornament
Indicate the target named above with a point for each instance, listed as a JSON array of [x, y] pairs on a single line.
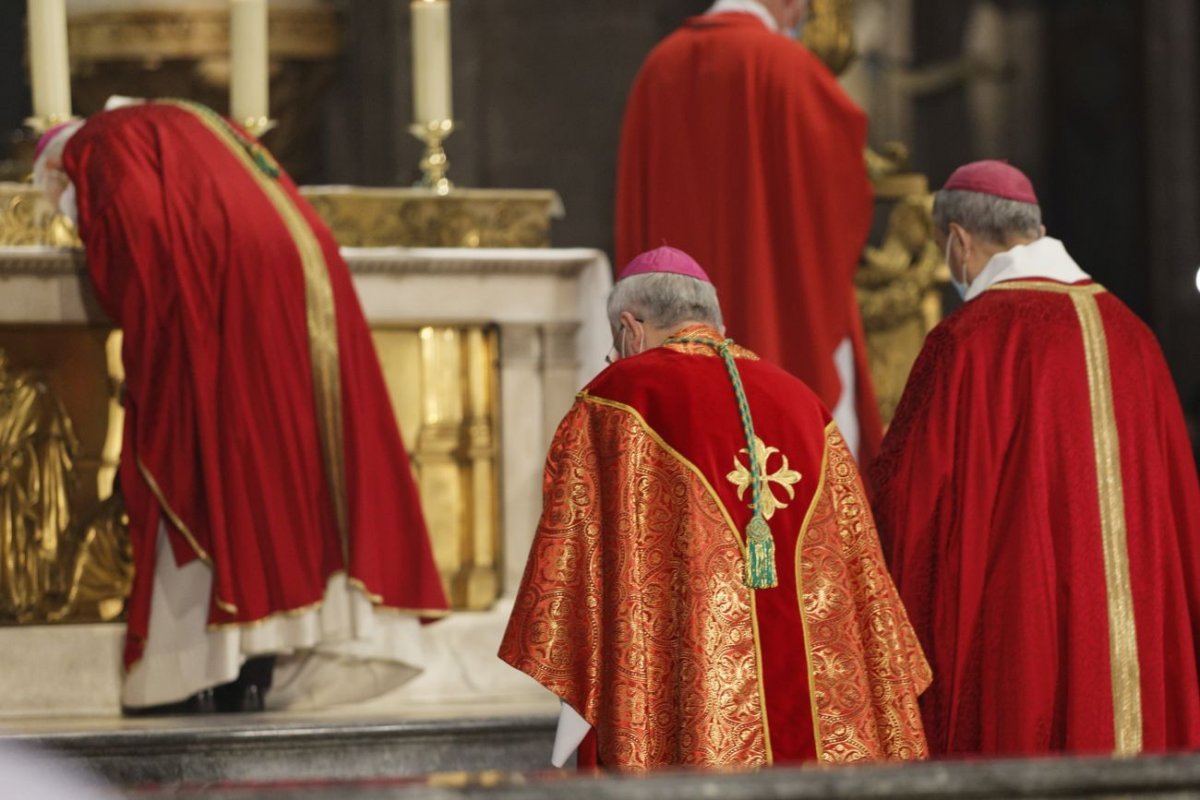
[[784, 476]]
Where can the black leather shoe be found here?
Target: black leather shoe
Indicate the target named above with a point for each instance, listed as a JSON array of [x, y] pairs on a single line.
[[248, 692], [202, 702]]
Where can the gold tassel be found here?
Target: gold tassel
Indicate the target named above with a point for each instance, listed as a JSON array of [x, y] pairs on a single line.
[[760, 555]]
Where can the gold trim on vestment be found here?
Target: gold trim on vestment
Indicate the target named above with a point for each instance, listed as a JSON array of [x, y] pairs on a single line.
[[1046, 286], [320, 314], [228, 608], [183, 529], [1122, 629], [653, 434], [352, 583], [818, 745], [200, 552], [762, 687]]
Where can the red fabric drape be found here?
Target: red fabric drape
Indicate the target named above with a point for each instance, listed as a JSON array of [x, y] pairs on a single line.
[[740, 148], [194, 261], [987, 500]]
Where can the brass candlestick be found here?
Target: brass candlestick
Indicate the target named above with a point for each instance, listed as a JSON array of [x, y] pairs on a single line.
[[40, 125], [434, 163]]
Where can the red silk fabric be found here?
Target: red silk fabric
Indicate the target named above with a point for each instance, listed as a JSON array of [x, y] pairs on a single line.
[[740, 148], [987, 498], [193, 260], [633, 607]]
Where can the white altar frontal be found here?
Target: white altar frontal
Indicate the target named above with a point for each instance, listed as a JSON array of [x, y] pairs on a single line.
[[546, 307]]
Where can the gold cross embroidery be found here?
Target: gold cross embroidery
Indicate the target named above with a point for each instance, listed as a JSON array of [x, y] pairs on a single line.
[[784, 476]]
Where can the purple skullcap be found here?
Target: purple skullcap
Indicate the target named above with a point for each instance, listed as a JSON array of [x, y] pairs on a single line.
[[664, 259], [997, 178]]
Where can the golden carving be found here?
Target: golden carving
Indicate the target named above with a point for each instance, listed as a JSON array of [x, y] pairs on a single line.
[[54, 565], [899, 282], [830, 33], [27, 219], [359, 217], [362, 217], [784, 476]]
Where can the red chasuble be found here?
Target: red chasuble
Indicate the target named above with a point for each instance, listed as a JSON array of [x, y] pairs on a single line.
[[1039, 507], [257, 420], [634, 610], [740, 148]]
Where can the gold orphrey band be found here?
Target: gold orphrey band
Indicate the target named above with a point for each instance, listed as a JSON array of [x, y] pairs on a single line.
[[1122, 630]]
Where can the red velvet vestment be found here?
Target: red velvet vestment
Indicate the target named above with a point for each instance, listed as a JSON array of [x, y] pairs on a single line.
[[740, 148], [257, 419], [633, 607], [1039, 508]]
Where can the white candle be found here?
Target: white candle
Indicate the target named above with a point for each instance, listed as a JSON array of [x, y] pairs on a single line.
[[49, 66], [431, 60], [248, 84]]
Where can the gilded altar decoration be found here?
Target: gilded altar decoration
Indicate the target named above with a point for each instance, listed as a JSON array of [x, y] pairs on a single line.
[[443, 384], [358, 217], [860, 639], [26, 218], [53, 566], [899, 281], [387, 217], [830, 33], [784, 476]]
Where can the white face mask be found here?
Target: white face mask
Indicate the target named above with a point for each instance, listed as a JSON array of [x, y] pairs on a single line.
[[959, 286]]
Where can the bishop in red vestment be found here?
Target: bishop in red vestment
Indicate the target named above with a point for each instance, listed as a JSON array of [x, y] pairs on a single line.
[[705, 586], [271, 504], [740, 147], [1038, 503]]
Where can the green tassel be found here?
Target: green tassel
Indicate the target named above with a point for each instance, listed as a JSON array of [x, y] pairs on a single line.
[[760, 555]]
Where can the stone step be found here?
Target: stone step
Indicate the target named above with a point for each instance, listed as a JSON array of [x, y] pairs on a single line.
[[218, 752]]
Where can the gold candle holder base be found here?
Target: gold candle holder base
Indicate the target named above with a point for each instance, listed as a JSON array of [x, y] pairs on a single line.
[[434, 163], [40, 125], [257, 126]]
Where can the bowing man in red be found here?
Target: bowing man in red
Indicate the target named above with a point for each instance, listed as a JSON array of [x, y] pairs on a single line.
[[705, 586], [271, 504], [740, 147], [1038, 503]]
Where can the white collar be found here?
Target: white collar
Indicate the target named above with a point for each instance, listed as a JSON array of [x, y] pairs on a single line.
[[746, 7], [1042, 258]]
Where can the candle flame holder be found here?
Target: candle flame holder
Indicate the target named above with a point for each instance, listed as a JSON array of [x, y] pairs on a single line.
[[434, 164], [257, 126]]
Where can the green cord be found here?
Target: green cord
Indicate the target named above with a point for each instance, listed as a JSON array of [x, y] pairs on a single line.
[[760, 546]]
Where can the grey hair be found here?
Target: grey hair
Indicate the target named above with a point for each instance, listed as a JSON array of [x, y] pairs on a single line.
[[665, 300], [997, 219], [53, 150]]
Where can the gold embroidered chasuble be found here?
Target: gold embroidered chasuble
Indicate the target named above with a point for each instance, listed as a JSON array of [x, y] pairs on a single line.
[[633, 608]]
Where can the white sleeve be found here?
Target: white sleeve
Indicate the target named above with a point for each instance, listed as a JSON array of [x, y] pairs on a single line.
[[571, 730], [845, 414]]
